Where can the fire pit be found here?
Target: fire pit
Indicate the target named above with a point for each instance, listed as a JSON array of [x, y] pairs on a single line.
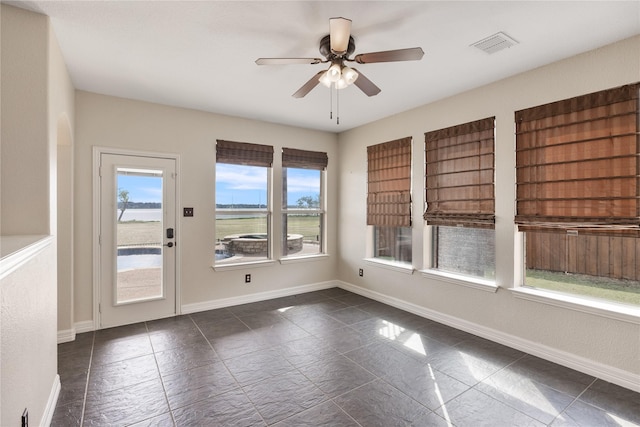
[[257, 243]]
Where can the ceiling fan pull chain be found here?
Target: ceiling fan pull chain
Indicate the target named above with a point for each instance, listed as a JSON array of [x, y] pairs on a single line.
[[330, 102], [337, 106]]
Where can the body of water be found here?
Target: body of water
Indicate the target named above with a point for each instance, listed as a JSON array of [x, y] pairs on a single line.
[[141, 215]]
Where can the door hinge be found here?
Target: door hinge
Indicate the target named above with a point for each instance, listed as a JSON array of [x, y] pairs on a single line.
[[99, 239], [100, 308]]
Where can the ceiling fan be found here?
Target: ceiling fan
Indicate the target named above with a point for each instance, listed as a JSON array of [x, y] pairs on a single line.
[[336, 47]]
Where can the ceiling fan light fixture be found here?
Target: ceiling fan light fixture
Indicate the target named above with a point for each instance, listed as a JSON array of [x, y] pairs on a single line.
[[324, 79], [334, 73], [342, 83], [349, 75], [340, 31]]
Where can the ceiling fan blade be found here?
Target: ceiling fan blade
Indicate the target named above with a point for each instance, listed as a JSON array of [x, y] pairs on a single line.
[[410, 54], [366, 85], [287, 61], [339, 33], [306, 88]]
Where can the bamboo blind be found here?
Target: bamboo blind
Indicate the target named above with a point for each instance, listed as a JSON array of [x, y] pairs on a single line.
[[244, 153], [303, 159], [460, 175], [389, 183], [578, 164]]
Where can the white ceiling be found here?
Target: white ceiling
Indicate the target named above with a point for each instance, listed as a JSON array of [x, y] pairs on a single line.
[[200, 54]]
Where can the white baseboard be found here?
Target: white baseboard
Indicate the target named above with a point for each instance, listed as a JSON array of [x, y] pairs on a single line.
[[260, 296], [47, 416], [84, 326], [66, 335], [605, 372]]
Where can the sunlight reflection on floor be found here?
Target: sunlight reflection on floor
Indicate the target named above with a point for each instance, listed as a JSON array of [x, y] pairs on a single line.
[[445, 413], [395, 332]]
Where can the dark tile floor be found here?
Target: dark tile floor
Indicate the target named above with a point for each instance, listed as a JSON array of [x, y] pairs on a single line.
[[326, 358]]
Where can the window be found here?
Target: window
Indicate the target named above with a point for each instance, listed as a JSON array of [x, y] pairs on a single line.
[[460, 198], [303, 213], [392, 243], [578, 190], [389, 199], [243, 208]]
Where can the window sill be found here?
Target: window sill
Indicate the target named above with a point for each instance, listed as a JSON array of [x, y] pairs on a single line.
[[390, 265], [244, 265], [610, 310], [292, 260], [466, 281]]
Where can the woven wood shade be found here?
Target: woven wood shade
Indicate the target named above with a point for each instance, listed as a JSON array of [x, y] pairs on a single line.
[[303, 159], [578, 164], [244, 153], [389, 184], [460, 175]]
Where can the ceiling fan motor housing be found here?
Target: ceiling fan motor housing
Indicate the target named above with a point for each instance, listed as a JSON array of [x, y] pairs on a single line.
[[325, 48]]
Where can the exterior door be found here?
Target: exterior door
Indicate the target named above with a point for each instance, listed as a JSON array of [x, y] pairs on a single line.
[[137, 239]]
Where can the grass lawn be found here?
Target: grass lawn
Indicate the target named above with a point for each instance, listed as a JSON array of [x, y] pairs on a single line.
[[623, 291], [139, 233]]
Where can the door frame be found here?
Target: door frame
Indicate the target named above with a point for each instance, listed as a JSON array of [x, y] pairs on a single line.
[[96, 214]]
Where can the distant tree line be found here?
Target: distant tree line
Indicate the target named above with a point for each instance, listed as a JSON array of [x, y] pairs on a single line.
[[139, 205], [241, 206], [302, 203]]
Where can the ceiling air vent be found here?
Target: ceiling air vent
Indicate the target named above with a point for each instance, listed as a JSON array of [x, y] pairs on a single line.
[[494, 43]]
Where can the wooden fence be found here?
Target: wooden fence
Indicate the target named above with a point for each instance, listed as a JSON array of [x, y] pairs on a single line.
[[604, 256]]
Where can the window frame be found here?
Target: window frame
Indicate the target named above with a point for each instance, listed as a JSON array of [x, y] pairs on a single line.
[[253, 155], [321, 210], [465, 217], [389, 197], [577, 302]]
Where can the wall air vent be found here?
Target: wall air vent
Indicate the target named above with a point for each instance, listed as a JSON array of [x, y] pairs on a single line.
[[494, 43]]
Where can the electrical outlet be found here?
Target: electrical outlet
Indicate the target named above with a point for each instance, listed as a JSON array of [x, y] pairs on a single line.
[[361, 272], [247, 278], [25, 418]]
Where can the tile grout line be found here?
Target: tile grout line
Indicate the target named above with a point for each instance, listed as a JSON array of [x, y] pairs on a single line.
[[86, 385], [574, 400], [164, 389]]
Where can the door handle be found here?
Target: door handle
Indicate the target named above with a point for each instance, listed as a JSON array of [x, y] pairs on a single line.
[[170, 244]]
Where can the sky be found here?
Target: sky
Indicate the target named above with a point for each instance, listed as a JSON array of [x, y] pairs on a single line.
[[141, 188], [235, 184]]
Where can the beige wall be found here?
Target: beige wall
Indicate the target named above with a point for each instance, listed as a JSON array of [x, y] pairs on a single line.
[[600, 341], [105, 121], [25, 155], [36, 92], [61, 130]]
